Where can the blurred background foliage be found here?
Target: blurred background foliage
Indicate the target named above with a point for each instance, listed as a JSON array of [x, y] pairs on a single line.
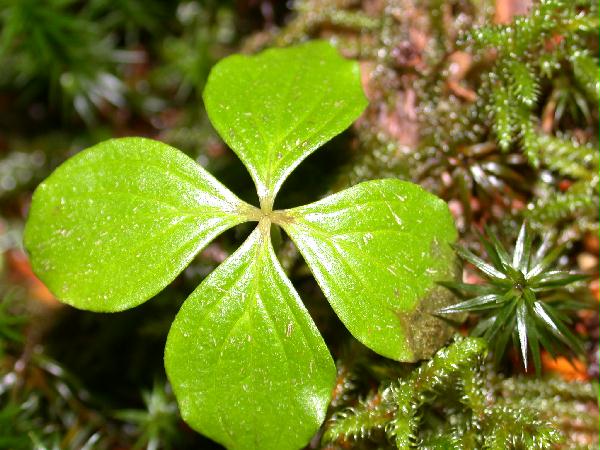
[[492, 105]]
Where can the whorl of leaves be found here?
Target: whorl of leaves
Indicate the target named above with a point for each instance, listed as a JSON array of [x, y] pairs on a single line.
[[522, 298]]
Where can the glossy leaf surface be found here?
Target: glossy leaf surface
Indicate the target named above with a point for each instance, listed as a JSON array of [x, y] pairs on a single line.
[[116, 223], [247, 364], [277, 107], [377, 250]]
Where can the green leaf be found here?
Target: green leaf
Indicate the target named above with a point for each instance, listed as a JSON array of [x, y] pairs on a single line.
[[482, 303], [116, 223], [377, 251], [276, 108], [534, 341], [495, 255], [484, 267], [522, 330], [466, 289], [548, 315], [247, 364], [542, 261], [522, 253], [498, 248], [555, 278]]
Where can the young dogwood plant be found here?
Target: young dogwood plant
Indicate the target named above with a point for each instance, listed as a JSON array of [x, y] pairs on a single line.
[[118, 222]]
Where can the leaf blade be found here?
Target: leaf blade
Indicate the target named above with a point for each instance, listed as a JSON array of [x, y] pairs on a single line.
[[481, 303], [289, 375], [378, 262], [275, 108], [116, 223]]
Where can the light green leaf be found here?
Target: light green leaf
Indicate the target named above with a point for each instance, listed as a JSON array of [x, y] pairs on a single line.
[[247, 364], [377, 250], [119, 221], [276, 108]]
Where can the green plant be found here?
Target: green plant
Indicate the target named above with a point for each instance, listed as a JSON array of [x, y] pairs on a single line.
[[189, 56], [115, 224], [577, 164], [9, 322], [521, 298], [157, 422], [539, 96], [443, 403], [535, 85], [551, 38], [47, 47], [44, 407]]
